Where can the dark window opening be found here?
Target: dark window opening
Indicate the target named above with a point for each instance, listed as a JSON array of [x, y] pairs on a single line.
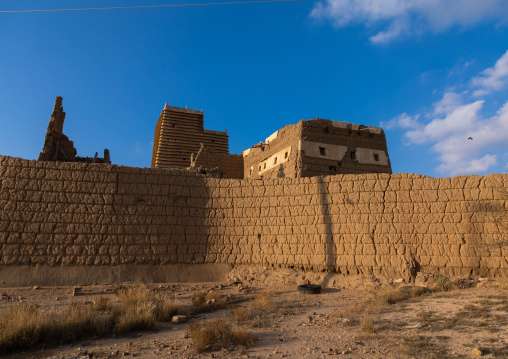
[[339, 163], [262, 148], [332, 169], [264, 167], [353, 155], [286, 155], [275, 161], [327, 130], [259, 168], [322, 151], [213, 140], [376, 157]]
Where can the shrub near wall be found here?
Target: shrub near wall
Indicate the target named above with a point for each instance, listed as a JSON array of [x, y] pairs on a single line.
[[75, 214]]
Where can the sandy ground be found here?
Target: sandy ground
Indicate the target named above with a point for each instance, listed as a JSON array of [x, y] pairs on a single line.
[[333, 323]]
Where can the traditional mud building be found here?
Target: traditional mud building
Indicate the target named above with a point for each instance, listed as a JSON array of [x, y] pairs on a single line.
[[309, 148]]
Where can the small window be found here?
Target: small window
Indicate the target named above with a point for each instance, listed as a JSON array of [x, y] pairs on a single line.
[[339, 163], [376, 157], [250, 173], [285, 156], [333, 169], [353, 155], [264, 167], [262, 148], [322, 151], [275, 161], [213, 140], [327, 130], [259, 168], [173, 125]]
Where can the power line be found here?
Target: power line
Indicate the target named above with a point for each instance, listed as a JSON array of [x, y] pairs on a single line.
[[146, 6]]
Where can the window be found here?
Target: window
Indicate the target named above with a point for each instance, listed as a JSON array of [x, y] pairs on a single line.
[[250, 173], [262, 148], [264, 167], [259, 168], [322, 151], [376, 157], [275, 161], [285, 155], [353, 155]]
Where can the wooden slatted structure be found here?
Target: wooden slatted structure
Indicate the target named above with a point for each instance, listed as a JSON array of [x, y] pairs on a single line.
[[179, 133]]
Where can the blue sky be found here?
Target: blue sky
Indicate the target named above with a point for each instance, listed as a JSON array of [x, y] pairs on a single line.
[[431, 72]]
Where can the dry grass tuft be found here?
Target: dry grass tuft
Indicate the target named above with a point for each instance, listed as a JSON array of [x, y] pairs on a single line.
[[240, 314], [218, 334], [198, 298], [263, 302], [25, 326]]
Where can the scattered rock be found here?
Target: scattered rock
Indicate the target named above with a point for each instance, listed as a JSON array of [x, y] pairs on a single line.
[[177, 319], [35, 287], [477, 352]]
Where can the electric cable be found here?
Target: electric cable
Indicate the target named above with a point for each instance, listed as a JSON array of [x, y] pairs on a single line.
[[146, 6]]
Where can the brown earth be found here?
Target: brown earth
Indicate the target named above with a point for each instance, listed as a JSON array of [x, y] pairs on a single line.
[[455, 323]]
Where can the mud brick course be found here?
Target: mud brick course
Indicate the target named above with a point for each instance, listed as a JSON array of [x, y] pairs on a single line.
[[77, 214]]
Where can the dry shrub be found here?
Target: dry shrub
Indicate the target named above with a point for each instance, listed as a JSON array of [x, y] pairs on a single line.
[[138, 303], [218, 334], [198, 298], [240, 314], [101, 304], [139, 316], [443, 283], [263, 302], [367, 324], [389, 295]]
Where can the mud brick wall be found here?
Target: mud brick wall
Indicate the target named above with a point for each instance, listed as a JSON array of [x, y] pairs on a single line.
[[231, 166], [321, 130], [179, 133], [74, 214], [287, 136]]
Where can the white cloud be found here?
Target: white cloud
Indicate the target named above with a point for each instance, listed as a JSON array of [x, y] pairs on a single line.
[[462, 136], [407, 17], [403, 121], [464, 140], [449, 102], [138, 149], [493, 78]]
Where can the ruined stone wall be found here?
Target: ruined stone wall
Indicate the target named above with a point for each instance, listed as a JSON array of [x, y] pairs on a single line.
[[277, 157], [231, 166], [179, 133], [76, 214]]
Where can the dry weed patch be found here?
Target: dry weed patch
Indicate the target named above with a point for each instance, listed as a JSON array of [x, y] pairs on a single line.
[[218, 334], [26, 326]]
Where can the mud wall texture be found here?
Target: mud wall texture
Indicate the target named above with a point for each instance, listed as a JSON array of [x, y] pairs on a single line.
[[73, 214]]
